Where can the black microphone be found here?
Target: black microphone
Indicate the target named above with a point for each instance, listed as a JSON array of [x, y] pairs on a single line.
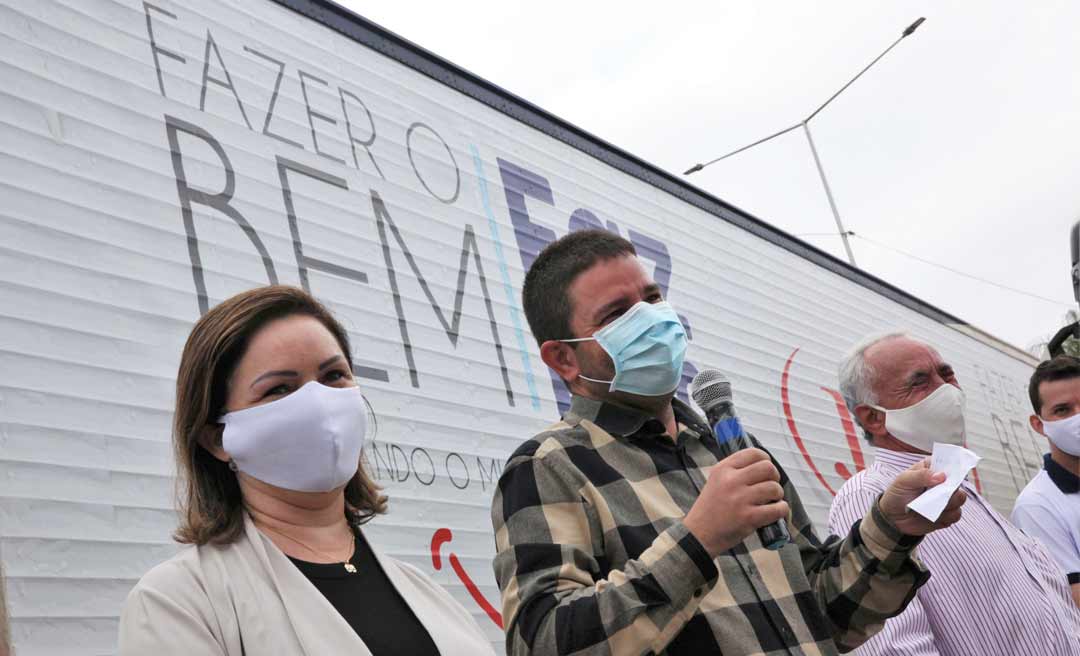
[[711, 390]]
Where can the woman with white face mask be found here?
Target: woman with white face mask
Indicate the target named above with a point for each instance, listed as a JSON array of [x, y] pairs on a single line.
[[268, 430]]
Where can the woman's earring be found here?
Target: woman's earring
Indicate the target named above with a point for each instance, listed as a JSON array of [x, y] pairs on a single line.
[[232, 465]]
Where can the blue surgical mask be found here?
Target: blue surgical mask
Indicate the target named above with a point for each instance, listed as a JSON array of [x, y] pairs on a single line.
[[647, 344]]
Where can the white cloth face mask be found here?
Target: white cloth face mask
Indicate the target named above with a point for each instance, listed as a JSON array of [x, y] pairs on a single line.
[[308, 441], [937, 418], [1064, 433]]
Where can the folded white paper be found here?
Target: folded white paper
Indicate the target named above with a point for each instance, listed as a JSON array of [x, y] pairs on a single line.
[[956, 462]]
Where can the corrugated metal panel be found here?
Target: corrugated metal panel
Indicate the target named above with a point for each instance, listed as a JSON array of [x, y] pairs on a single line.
[[98, 286]]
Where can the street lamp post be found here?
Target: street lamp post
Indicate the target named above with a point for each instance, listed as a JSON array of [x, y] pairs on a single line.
[[805, 125], [828, 194]]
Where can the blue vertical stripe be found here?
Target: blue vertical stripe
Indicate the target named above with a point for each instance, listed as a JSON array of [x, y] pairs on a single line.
[[504, 270]]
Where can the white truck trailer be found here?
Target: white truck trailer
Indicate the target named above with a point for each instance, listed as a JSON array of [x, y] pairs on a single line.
[[159, 156]]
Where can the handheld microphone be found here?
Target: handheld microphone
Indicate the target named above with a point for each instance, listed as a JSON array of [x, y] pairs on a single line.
[[711, 390]]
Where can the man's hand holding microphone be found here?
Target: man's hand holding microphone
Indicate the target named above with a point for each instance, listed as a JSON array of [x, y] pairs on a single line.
[[743, 492]]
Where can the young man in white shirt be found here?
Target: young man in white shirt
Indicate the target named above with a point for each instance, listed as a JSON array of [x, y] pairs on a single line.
[[1049, 507]]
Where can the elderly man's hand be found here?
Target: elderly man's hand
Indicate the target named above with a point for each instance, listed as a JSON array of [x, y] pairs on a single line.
[[905, 489]]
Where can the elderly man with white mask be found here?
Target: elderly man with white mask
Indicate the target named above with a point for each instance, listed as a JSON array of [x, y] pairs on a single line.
[[992, 589]]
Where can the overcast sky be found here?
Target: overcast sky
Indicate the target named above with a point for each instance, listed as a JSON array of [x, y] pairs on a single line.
[[962, 146]]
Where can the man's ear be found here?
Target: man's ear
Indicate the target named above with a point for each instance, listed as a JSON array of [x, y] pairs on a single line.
[[210, 439], [561, 357], [1037, 424], [872, 420]]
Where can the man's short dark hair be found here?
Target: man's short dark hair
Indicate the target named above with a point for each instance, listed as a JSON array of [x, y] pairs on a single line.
[[546, 292], [1061, 367]]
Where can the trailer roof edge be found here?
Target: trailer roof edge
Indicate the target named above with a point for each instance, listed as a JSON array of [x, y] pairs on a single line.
[[398, 48]]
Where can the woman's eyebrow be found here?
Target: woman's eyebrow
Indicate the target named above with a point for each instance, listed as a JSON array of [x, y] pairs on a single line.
[[279, 372], [329, 362], [293, 374]]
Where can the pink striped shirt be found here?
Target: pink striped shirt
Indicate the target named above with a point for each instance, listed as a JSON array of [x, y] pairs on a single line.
[[992, 589]]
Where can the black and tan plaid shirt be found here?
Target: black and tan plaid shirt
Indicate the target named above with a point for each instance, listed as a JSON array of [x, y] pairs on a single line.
[[593, 556]]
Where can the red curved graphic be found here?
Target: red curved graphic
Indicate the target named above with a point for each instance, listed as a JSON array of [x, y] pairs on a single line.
[[849, 432], [785, 398], [444, 535]]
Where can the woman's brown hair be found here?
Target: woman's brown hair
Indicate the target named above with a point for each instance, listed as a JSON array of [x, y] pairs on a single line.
[[210, 504]]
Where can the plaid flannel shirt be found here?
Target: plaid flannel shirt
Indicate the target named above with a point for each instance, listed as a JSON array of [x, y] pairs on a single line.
[[594, 558]]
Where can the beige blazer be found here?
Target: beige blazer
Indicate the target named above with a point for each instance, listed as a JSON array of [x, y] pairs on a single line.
[[247, 599]]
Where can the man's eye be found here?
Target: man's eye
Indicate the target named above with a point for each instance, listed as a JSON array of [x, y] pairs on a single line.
[[613, 316]]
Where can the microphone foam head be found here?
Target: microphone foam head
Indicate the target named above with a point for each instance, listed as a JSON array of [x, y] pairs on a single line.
[[709, 388]]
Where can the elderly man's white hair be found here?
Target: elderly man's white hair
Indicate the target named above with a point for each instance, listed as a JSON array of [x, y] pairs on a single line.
[[857, 376]]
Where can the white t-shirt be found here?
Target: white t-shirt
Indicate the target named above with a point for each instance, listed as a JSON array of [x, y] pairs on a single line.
[[1048, 510]]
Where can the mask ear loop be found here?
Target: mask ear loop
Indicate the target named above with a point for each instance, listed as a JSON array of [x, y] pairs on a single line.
[[597, 380], [354, 520], [373, 420], [878, 408], [591, 380], [231, 463]]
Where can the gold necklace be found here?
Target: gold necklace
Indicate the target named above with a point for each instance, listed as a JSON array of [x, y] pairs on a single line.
[[349, 567]]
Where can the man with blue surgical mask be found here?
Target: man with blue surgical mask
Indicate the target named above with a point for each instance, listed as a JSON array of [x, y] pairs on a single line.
[[994, 591], [622, 529], [1049, 507]]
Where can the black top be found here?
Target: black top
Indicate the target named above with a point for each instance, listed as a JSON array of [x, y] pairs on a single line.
[[1065, 480], [370, 604]]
